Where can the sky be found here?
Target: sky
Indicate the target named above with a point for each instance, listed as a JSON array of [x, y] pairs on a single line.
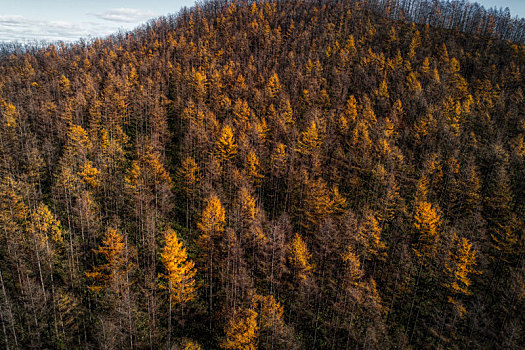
[[516, 7], [70, 20]]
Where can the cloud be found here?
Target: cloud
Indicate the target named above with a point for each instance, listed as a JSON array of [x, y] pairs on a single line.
[[125, 15], [25, 29]]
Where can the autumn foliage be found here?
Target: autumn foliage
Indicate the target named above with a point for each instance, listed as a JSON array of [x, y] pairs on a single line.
[[268, 175]]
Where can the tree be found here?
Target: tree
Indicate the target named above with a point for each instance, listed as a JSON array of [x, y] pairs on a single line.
[[348, 116], [181, 272], [279, 160], [500, 218], [320, 202], [460, 265], [274, 86], [242, 113], [189, 173], [353, 269], [253, 168], [191, 345], [242, 331], [45, 225], [299, 257], [113, 274], [310, 140], [212, 222], [427, 223], [211, 227], [113, 280], [225, 145], [369, 236]]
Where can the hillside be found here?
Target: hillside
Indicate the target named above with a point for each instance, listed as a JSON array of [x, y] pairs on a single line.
[[268, 175]]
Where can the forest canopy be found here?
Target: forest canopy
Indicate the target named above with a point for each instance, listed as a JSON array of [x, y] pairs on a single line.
[[268, 175]]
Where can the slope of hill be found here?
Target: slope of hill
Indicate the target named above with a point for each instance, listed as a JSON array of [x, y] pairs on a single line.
[[269, 174]]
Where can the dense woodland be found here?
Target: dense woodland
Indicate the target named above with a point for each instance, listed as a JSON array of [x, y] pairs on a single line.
[[268, 175]]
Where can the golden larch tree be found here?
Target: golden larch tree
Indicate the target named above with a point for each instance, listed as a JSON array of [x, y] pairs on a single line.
[[242, 331], [310, 139], [253, 167], [274, 86], [226, 146], [189, 173], [460, 265], [427, 222], [191, 345], [181, 271], [211, 227], [212, 222], [300, 256], [113, 273]]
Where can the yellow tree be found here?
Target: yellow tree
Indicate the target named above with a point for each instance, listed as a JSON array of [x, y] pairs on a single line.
[[361, 293], [350, 46], [45, 225], [242, 331], [348, 116], [271, 312], [189, 172], [426, 66], [114, 279], [211, 227], [360, 140], [274, 86], [279, 160], [286, 113], [149, 184], [226, 146], [369, 235], [249, 211], [212, 222], [310, 139], [90, 175], [273, 330], [382, 90], [253, 168], [427, 222], [241, 112], [251, 231], [320, 202], [181, 270], [191, 345], [299, 257], [113, 274], [413, 83], [181, 274], [460, 264], [9, 113], [352, 266], [199, 83]]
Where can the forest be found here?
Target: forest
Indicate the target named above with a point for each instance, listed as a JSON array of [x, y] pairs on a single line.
[[270, 174]]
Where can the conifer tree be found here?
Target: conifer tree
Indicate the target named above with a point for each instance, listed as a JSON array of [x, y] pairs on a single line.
[[460, 265], [300, 257], [211, 228], [116, 253], [242, 331], [180, 278], [226, 146], [427, 223], [310, 139]]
